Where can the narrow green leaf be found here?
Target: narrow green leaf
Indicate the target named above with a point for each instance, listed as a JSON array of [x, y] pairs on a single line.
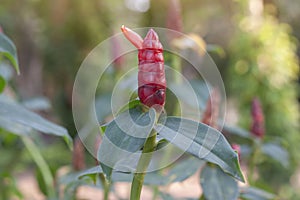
[[252, 193], [2, 84], [37, 103], [13, 113], [125, 136], [212, 48], [90, 171], [201, 141], [218, 185], [237, 131], [14, 127], [8, 50], [276, 152]]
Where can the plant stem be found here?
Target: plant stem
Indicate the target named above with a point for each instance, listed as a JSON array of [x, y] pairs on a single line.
[[42, 165], [253, 161], [155, 192], [138, 179], [106, 186]]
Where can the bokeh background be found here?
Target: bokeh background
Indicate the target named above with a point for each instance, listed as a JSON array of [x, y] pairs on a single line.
[[254, 43]]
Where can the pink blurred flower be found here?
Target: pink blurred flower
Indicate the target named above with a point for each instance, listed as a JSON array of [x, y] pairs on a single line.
[[211, 113], [237, 148], [78, 159], [116, 53], [258, 122]]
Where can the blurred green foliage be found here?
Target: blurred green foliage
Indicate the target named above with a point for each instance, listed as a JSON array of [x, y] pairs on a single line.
[[53, 38], [263, 63]]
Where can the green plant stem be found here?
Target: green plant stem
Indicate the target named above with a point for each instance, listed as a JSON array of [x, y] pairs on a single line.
[[106, 186], [177, 65], [138, 178], [155, 192], [42, 165], [253, 161]]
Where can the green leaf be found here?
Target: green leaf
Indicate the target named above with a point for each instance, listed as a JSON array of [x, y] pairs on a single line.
[[90, 171], [6, 71], [218, 185], [276, 152], [185, 169], [8, 50], [237, 131], [252, 193], [37, 103], [130, 105], [165, 196], [103, 106], [212, 48], [14, 117], [124, 136], [199, 89], [71, 181], [2, 84], [14, 127], [180, 172], [201, 141]]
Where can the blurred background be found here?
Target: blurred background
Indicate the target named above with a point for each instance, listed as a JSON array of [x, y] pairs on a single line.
[[254, 43]]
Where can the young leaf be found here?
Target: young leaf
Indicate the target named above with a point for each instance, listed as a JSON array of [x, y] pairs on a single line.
[[8, 50], [14, 114], [201, 141], [124, 136], [218, 185]]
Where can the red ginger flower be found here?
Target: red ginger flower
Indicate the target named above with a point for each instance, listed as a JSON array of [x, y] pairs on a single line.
[[151, 76], [258, 122]]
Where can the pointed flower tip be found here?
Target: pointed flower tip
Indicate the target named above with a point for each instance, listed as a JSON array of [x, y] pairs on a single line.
[[151, 35], [123, 28], [132, 36]]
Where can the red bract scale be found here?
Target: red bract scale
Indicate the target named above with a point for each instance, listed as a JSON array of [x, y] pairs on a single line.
[[151, 76], [258, 123]]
